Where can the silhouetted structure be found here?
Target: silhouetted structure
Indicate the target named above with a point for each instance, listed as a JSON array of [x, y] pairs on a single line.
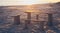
[[17, 19], [26, 24], [28, 21], [37, 17], [28, 17], [50, 20]]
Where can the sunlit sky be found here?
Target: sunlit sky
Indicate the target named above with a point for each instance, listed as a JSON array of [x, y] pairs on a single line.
[[25, 2]]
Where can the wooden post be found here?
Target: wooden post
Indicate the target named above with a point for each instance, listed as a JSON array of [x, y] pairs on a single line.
[[28, 17], [37, 17], [50, 20], [17, 19], [28, 21]]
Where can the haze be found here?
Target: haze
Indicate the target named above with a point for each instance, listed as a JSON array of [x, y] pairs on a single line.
[[25, 2]]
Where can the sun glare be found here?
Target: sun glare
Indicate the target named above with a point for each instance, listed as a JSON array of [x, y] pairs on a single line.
[[29, 11]]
